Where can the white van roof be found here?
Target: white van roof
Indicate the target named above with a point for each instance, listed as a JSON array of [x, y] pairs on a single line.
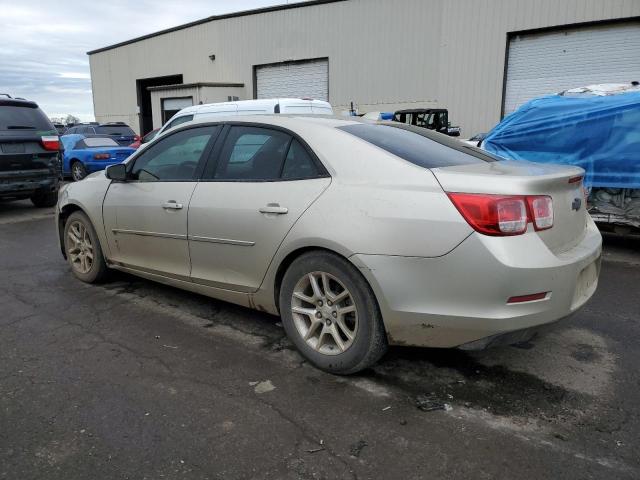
[[254, 107], [258, 106]]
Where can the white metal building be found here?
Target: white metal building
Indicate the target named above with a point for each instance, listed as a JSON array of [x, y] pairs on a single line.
[[478, 58]]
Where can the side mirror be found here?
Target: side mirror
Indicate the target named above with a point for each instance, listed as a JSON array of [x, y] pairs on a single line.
[[117, 172]]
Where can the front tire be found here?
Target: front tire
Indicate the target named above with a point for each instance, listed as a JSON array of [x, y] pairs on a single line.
[[44, 199], [78, 171], [82, 248], [330, 314]]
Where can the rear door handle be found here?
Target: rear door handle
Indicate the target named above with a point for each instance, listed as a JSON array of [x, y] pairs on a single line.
[[172, 205], [274, 208]]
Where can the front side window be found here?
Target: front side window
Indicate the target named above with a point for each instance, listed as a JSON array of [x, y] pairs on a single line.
[[252, 153], [175, 157]]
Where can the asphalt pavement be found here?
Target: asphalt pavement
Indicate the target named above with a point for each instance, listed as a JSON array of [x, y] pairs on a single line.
[[135, 380]]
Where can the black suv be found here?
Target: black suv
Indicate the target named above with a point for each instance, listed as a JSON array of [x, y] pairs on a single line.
[[29, 153], [119, 131]]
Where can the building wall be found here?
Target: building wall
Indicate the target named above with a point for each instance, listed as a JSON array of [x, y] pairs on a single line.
[[383, 54], [201, 94]]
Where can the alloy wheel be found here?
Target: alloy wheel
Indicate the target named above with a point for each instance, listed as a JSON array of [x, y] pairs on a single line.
[[324, 313], [80, 248], [77, 171]]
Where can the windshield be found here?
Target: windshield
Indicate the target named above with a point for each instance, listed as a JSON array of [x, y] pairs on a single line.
[[26, 118], [121, 130], [93, 142], [418, 145]]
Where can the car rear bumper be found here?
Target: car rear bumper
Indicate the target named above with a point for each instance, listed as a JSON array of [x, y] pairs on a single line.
[[461, 297], [22, 183]]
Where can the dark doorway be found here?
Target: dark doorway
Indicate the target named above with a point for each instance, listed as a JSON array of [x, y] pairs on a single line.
[[144, 98]]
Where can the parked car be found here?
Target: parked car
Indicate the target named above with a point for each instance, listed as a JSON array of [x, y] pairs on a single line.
[[431, 118], [357, 234], [60, 128], [146, 139], [29, 153], [249, 107], [84, 155], [119, 131]]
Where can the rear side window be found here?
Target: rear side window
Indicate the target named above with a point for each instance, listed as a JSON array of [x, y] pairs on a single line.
[[418, 145], [121, 130], [252, 153], [92, 142], [298, 163], [25, 118]]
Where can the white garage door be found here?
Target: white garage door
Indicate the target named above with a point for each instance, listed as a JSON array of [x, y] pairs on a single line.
[[295, 80], [547, 63]]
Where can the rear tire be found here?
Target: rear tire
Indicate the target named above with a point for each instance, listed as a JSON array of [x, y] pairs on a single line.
[[313, 314], [78, 171], [44, 199], [82, 248]]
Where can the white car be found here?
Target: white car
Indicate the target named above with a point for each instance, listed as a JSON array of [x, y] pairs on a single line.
[[249, 107], [357, 234]]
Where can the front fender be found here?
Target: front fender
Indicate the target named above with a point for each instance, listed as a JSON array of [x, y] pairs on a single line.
[[86, 195]]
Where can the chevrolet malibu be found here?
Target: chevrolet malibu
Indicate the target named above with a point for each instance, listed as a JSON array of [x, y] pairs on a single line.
[[358, 235]]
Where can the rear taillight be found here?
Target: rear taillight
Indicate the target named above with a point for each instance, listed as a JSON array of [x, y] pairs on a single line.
[[137, 138], [50, 142], [101, 156], [503, 215]]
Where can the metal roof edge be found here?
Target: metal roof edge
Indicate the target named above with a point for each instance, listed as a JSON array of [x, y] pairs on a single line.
[[213, 18]]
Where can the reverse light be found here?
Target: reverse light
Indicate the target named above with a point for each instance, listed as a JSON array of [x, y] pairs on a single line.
[[101, 156], [504, 215], [541, 208], [50, 142]]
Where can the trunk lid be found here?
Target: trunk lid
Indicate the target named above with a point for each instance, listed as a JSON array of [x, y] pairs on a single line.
[[528, 178]]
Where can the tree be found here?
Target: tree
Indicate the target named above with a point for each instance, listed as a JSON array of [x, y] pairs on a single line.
[[71, 120]]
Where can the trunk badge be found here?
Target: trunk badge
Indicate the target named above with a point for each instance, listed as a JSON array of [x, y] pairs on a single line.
[[576, 204]]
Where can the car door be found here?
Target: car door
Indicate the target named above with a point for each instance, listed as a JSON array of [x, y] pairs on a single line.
[[257, 183], [146, 217]]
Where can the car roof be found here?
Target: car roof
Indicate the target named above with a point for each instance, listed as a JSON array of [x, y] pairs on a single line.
[[277, 119], [266, 103], [17, 102]]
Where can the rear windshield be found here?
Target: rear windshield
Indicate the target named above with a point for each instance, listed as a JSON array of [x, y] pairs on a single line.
[[121, 130], [24, 118], [418, 145], [92, 142]]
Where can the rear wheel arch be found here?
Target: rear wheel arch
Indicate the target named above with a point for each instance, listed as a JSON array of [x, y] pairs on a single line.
[[293, 255]]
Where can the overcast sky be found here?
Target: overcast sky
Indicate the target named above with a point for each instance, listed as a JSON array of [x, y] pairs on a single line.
[[43, 44]]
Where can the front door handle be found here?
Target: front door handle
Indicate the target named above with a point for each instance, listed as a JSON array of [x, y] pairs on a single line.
[[172, 205], [274, 208]]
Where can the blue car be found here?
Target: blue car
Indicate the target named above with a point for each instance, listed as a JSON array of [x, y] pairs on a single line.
[[84, 155]]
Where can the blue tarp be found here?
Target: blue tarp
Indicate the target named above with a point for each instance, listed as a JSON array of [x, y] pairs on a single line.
[[598, 133]]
